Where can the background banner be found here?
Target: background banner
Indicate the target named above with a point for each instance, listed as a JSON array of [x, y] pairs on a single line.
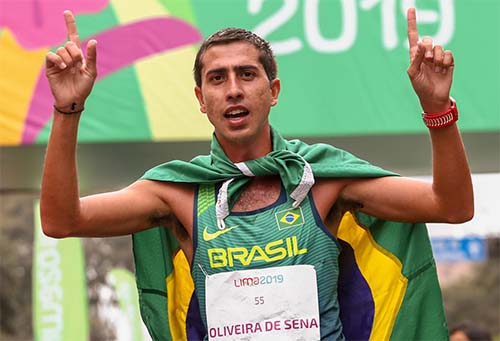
[[60, 307], [342, 64], [123, 281]]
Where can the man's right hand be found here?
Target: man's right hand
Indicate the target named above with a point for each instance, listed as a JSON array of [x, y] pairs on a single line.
[[70, 75]]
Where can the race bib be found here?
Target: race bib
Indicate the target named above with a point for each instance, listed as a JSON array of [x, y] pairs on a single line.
[[279, 303]]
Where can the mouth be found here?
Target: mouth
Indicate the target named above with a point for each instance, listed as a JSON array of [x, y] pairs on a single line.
[[236, 114]]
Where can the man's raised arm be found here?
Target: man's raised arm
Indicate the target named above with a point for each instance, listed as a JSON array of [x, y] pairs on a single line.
[[450, 196], [63, 213]]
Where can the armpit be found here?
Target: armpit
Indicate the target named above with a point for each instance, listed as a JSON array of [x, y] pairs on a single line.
[[173, 224], [338, 210]]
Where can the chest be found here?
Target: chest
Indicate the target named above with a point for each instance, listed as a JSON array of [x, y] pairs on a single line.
[[260, 236], [261, 192]]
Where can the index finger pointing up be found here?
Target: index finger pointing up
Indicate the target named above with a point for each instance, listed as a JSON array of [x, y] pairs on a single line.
[[412, 28], [71, 28]]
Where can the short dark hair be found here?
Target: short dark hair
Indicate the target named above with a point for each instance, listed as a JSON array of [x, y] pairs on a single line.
[[231, 35]]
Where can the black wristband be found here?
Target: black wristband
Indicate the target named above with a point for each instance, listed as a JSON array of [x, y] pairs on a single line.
[[68, 112]]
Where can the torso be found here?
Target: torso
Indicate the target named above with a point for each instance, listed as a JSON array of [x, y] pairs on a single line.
[[259, 238], [261, 192]]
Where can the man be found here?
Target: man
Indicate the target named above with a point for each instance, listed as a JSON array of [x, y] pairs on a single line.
[[236, 87]]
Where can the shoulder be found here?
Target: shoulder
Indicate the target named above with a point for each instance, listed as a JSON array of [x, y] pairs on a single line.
[[166, 190], [326, 192], [173, 202], [350, 192]]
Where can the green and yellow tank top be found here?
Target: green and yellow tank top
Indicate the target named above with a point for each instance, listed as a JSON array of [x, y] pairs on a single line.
[[273, 236]]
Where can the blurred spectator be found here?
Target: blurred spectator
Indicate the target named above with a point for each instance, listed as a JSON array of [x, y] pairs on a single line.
[[469, 331]]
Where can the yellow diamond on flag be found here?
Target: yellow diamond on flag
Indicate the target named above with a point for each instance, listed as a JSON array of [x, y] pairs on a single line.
[[290, 218]]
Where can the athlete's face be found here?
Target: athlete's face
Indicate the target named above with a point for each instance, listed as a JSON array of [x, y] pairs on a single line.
[[236, 94]]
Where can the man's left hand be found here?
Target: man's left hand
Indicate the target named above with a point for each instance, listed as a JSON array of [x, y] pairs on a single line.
[[430, 70]]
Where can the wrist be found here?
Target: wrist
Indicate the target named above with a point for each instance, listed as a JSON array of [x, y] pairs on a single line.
[[69, 109], [435, 106], [441, 119]]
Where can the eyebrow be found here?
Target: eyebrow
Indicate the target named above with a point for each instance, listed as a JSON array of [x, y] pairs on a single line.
[[237, 68]]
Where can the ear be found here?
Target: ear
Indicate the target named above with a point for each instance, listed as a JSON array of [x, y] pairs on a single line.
[[275, 91], [199, 96]]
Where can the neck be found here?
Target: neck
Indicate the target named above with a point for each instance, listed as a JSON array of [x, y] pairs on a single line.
[[247, 149]]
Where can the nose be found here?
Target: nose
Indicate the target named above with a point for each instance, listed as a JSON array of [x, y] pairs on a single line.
[[234, 90]]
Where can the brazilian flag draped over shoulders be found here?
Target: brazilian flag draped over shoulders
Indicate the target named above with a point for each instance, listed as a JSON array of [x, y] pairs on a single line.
[[388, 286]]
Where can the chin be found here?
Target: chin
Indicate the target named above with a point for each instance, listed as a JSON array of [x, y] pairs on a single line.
[[238, 136]]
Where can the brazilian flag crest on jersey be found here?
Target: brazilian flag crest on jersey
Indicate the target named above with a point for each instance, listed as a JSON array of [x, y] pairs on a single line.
[[289, 218]]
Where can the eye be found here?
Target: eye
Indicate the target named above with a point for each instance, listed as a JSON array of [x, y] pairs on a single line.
[[216, 78], [248, 74]]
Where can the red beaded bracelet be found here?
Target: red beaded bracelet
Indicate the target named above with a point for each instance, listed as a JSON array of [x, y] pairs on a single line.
[[441, 119]]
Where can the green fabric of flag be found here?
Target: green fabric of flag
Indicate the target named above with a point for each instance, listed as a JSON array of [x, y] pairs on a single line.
[[325, 161], [153, 255]]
